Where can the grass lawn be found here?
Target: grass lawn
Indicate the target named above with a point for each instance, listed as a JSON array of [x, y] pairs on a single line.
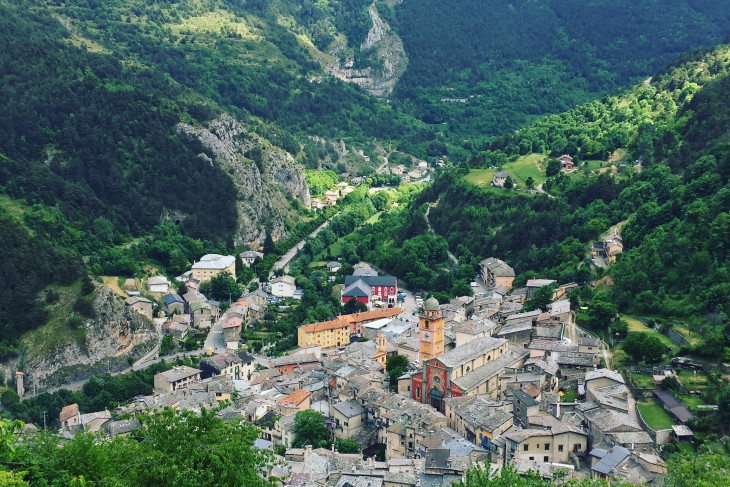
[[374, 218], [531, 165], [481, 177], [637, 326], [655, 415], [643, 381], [690, 400], [692, 381], [570, 395]]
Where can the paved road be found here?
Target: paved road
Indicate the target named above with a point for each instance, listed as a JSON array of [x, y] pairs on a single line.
[[215, 339], [289, 255]]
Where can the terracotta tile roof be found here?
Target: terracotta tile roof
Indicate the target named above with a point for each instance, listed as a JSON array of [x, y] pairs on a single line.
[[233, 322], [346, 320], [295, 398]]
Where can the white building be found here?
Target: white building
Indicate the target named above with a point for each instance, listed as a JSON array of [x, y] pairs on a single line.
[[283, 287], [158, 284]]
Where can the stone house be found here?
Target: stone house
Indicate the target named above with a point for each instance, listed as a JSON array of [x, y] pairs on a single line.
[[176, 378], [349, 417], [140, 305]]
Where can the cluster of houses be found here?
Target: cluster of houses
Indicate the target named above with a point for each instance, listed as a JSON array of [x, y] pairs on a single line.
[[419, 171], [609, 248], [486, 385], [331, 196], [179, 314]]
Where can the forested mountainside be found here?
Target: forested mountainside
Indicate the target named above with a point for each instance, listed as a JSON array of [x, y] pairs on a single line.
[[671, 140], [118, 115], [487, 67]]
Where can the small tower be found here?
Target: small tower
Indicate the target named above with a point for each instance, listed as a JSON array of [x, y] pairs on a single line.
[[431, 331], [381, 355], [19, 386]]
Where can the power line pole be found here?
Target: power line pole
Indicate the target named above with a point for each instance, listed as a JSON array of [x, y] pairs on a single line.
[[44, 420]]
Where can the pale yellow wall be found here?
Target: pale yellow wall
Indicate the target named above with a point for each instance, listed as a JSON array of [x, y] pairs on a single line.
[[324, 338], [203, 275]]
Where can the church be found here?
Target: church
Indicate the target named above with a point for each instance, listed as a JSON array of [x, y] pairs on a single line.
[[473, 369]]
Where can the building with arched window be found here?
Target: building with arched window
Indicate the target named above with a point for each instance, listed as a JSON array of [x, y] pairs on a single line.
[[473, 369]]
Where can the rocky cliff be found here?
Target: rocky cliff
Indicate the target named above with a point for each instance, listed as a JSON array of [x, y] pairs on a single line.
[[384, 52], [264, 176], [104, 342]]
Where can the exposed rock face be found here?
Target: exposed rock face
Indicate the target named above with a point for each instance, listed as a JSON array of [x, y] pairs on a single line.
[[114, 334], [258, 170], [388, 60]]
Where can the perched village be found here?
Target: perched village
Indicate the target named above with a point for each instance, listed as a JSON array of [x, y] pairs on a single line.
[[482, 382]]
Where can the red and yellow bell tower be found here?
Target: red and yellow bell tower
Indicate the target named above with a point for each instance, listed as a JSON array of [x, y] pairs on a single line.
[[430, 331]]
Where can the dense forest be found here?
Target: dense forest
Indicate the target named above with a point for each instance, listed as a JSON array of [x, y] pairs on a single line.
[[509, 62], [672, 207]]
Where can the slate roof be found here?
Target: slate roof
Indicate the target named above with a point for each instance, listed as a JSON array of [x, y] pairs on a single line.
[[476, 411], [349, 409], [514, 328], [172, 298], [554, 331], [609, 460], [538, 283], [179, 372], [552, 346], [115, 428], [389, 281], [470, 351], [303, 358], [498, 267], [524, 397], [157, 280], [675, 406], [589, 341], [357, 289], [576, 359], [481, 374], [604, 373], [559, 307], [214, 261]]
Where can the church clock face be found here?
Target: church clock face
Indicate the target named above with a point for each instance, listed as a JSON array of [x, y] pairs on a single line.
[[426, 336]]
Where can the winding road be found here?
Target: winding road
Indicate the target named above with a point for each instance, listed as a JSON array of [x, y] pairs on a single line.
[[430, 229]]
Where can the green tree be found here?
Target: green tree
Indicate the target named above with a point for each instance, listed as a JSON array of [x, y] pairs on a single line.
[[529, 182], [395, 366], [221, 288], [542, 297], [353, 306], [173, 448], [702, 470], [553, 167], [347, 445], [309, 429], [644, 346], [509, 183], [619, 328]]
